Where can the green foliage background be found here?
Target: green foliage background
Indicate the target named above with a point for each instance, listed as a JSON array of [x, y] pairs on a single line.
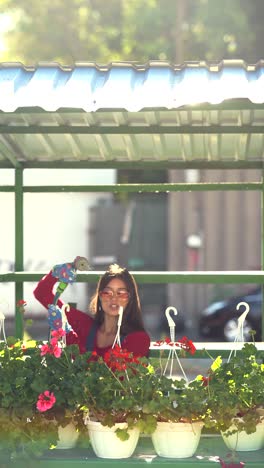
[[69, 31]]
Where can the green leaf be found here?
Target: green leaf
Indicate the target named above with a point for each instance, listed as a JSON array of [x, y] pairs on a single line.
[[122, 434]]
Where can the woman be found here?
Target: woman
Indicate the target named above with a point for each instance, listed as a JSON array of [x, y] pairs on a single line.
[[116, 288]]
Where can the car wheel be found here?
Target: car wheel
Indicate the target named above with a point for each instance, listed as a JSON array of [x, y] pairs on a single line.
[[230, 330]]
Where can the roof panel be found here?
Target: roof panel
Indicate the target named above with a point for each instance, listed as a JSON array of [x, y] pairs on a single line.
[[128, 86], [125, 112]]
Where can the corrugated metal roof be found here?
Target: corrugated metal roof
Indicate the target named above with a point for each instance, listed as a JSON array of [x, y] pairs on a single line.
[[128, 86], [125, 113]]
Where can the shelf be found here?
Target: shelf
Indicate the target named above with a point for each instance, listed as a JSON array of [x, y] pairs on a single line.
[[210, 448]]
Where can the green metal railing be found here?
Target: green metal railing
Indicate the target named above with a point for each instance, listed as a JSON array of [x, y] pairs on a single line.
[[202, 277]]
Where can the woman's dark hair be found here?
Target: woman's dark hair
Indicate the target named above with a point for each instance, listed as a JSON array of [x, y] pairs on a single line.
[[132, 317]]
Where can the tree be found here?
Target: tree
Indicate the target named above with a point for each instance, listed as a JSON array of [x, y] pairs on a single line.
[[140, 30], [63, 30]]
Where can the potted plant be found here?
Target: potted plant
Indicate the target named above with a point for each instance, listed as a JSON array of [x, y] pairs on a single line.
[[39, 397], [115, 393], [179, 407], [57, 384], [235, 398], [23, 432]]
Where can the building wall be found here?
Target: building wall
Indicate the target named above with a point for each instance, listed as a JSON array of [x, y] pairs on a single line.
[[229, 224]]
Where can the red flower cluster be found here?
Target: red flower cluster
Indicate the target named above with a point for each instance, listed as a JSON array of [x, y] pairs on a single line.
[[186, 344], [183, 343], [165, 341], [118, 359]]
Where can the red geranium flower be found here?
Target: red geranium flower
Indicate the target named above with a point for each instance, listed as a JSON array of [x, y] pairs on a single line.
[[46, 400], [166, 341], [118, 358], [186, 344], [21, 302]]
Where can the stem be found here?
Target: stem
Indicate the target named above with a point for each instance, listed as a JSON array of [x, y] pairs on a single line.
[[113, 374], [208, 354]]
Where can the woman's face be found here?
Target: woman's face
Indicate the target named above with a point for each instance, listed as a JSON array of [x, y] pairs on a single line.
[[114, 295]]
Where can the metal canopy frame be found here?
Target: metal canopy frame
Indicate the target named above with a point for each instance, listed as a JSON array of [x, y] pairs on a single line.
[[165, 135]]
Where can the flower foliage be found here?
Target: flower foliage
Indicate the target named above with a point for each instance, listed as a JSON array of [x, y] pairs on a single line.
[[45, 381], [37, 386], [236, 391], [116, 389]]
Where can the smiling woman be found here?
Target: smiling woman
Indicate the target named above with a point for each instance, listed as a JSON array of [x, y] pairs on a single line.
[[116, 291]]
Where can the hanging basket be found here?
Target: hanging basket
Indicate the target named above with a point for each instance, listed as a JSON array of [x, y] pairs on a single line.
[[105, 442], [241, 441], [176, 439], [68, 436]]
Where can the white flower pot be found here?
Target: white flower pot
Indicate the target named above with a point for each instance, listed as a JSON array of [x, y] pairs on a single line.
[[105, 442], [243, 442], [68, 436], [176, 440]]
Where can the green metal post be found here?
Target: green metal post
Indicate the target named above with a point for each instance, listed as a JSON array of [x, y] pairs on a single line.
[[19, 248]]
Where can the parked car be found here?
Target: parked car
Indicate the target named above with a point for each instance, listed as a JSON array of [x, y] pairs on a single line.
[[220, 319]]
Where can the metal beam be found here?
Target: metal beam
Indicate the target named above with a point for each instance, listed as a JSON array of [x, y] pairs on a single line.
[[229, 104], [154, 277], [129, 130], [139, 164], [147, 188]]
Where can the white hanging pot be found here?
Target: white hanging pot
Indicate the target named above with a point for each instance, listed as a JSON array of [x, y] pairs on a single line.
[[176, 440], [68, 436], [260, 411], [105, 442], [241, 441]]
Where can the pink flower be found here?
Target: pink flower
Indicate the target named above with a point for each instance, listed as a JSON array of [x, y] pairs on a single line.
[[46, 400], [52, 348], [53, 341], [45, 349], [58, 334], [57, 351]]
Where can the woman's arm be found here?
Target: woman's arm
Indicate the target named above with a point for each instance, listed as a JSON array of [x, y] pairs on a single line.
[[79, 321], [44, 290]]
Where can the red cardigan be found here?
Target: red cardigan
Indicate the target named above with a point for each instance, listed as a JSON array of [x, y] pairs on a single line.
[[137, 342]]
